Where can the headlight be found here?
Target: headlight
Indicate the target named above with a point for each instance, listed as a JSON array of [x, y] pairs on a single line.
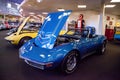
[[22, 50]]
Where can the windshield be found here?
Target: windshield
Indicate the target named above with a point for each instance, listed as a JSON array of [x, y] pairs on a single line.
[[73, 32], [33, 23], [77, 33], [32, 26]]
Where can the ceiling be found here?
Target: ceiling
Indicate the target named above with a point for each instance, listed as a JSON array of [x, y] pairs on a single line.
[[52, 5]]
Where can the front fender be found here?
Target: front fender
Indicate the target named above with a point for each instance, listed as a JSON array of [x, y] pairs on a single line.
[[102, 39], [59, 52]]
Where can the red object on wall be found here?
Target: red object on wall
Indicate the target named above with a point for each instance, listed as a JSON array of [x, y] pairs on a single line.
[[109, 33], [110, 23], [108, 18]]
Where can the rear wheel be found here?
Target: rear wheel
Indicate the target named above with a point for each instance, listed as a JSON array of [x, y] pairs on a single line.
[[24, 40], [102, 49], [70, 62]]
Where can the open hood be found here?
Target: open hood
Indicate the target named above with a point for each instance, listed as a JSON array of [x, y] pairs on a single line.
[[22, 24], [51, 28]]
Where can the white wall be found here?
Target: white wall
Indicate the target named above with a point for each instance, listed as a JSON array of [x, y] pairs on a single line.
[[92, 19]]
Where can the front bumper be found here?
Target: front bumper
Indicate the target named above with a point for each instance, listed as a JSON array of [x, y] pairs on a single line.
[[11, 42], [42, 66]]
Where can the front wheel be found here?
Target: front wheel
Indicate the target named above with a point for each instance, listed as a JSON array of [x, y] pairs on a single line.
[[24, 40], [70, 62]]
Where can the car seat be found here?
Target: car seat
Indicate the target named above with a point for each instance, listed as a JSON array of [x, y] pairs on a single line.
[[84, 33], [88, 32]]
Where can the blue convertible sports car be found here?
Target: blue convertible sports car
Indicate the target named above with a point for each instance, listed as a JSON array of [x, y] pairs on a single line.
[[49, 50]]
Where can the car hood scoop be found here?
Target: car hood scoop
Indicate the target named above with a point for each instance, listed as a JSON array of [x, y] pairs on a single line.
[[51, 28]]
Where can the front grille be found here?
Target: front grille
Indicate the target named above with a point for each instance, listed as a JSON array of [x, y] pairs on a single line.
[[35, 64]]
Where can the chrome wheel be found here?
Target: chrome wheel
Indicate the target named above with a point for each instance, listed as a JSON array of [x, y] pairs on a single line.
[[71, 62], [103, 48], [26, 40]]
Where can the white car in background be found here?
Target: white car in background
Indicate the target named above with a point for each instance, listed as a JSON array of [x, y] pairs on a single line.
[[2, 26]]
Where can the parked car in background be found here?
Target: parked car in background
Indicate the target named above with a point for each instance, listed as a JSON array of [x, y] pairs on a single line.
[[14, 24], [7, 25], [50, 50], [23, 33], [117, 33], [2, 26]]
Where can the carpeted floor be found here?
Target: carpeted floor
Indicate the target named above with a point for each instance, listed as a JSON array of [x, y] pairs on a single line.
[[95, 67]]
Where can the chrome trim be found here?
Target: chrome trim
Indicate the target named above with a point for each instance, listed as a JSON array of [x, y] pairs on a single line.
[[35, 61]]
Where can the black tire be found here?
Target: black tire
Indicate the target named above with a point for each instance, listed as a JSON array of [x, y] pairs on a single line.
[[70, 62], [102, 48], [24, 40]]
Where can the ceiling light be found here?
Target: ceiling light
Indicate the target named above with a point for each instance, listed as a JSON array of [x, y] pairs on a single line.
[[8, 5], [61, 9], [21, 10], [29, 5], [109, 6], [31, 13], [38, 15], [18, 5], [39, 1], [82, 6], [44, 13], [115, 1]]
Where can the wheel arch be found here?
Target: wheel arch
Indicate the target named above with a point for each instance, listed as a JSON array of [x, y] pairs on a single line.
[[104, 40], [62, 62], [78, 52]]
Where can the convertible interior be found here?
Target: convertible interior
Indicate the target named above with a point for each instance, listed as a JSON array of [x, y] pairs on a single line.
[[70, 36], [75, 35]]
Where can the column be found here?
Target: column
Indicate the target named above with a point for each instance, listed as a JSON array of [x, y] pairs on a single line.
[[101, 19]]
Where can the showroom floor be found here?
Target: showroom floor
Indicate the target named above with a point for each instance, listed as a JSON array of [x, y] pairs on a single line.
[[95, 67]]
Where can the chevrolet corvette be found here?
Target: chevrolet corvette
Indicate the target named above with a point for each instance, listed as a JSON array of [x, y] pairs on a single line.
[[50, 50]]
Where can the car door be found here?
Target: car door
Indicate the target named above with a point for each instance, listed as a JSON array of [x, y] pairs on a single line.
[[88, 45], [84, 45], [92, 44]]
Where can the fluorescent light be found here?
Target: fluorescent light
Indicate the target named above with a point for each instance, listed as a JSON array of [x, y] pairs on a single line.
[[109, 6], [82, 6], [44, 13], [61, 9], [38, 15], [39, 1], [29, 5], [8, 5], [31, 13], [18, 5], [115, 1], [21, 10]]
